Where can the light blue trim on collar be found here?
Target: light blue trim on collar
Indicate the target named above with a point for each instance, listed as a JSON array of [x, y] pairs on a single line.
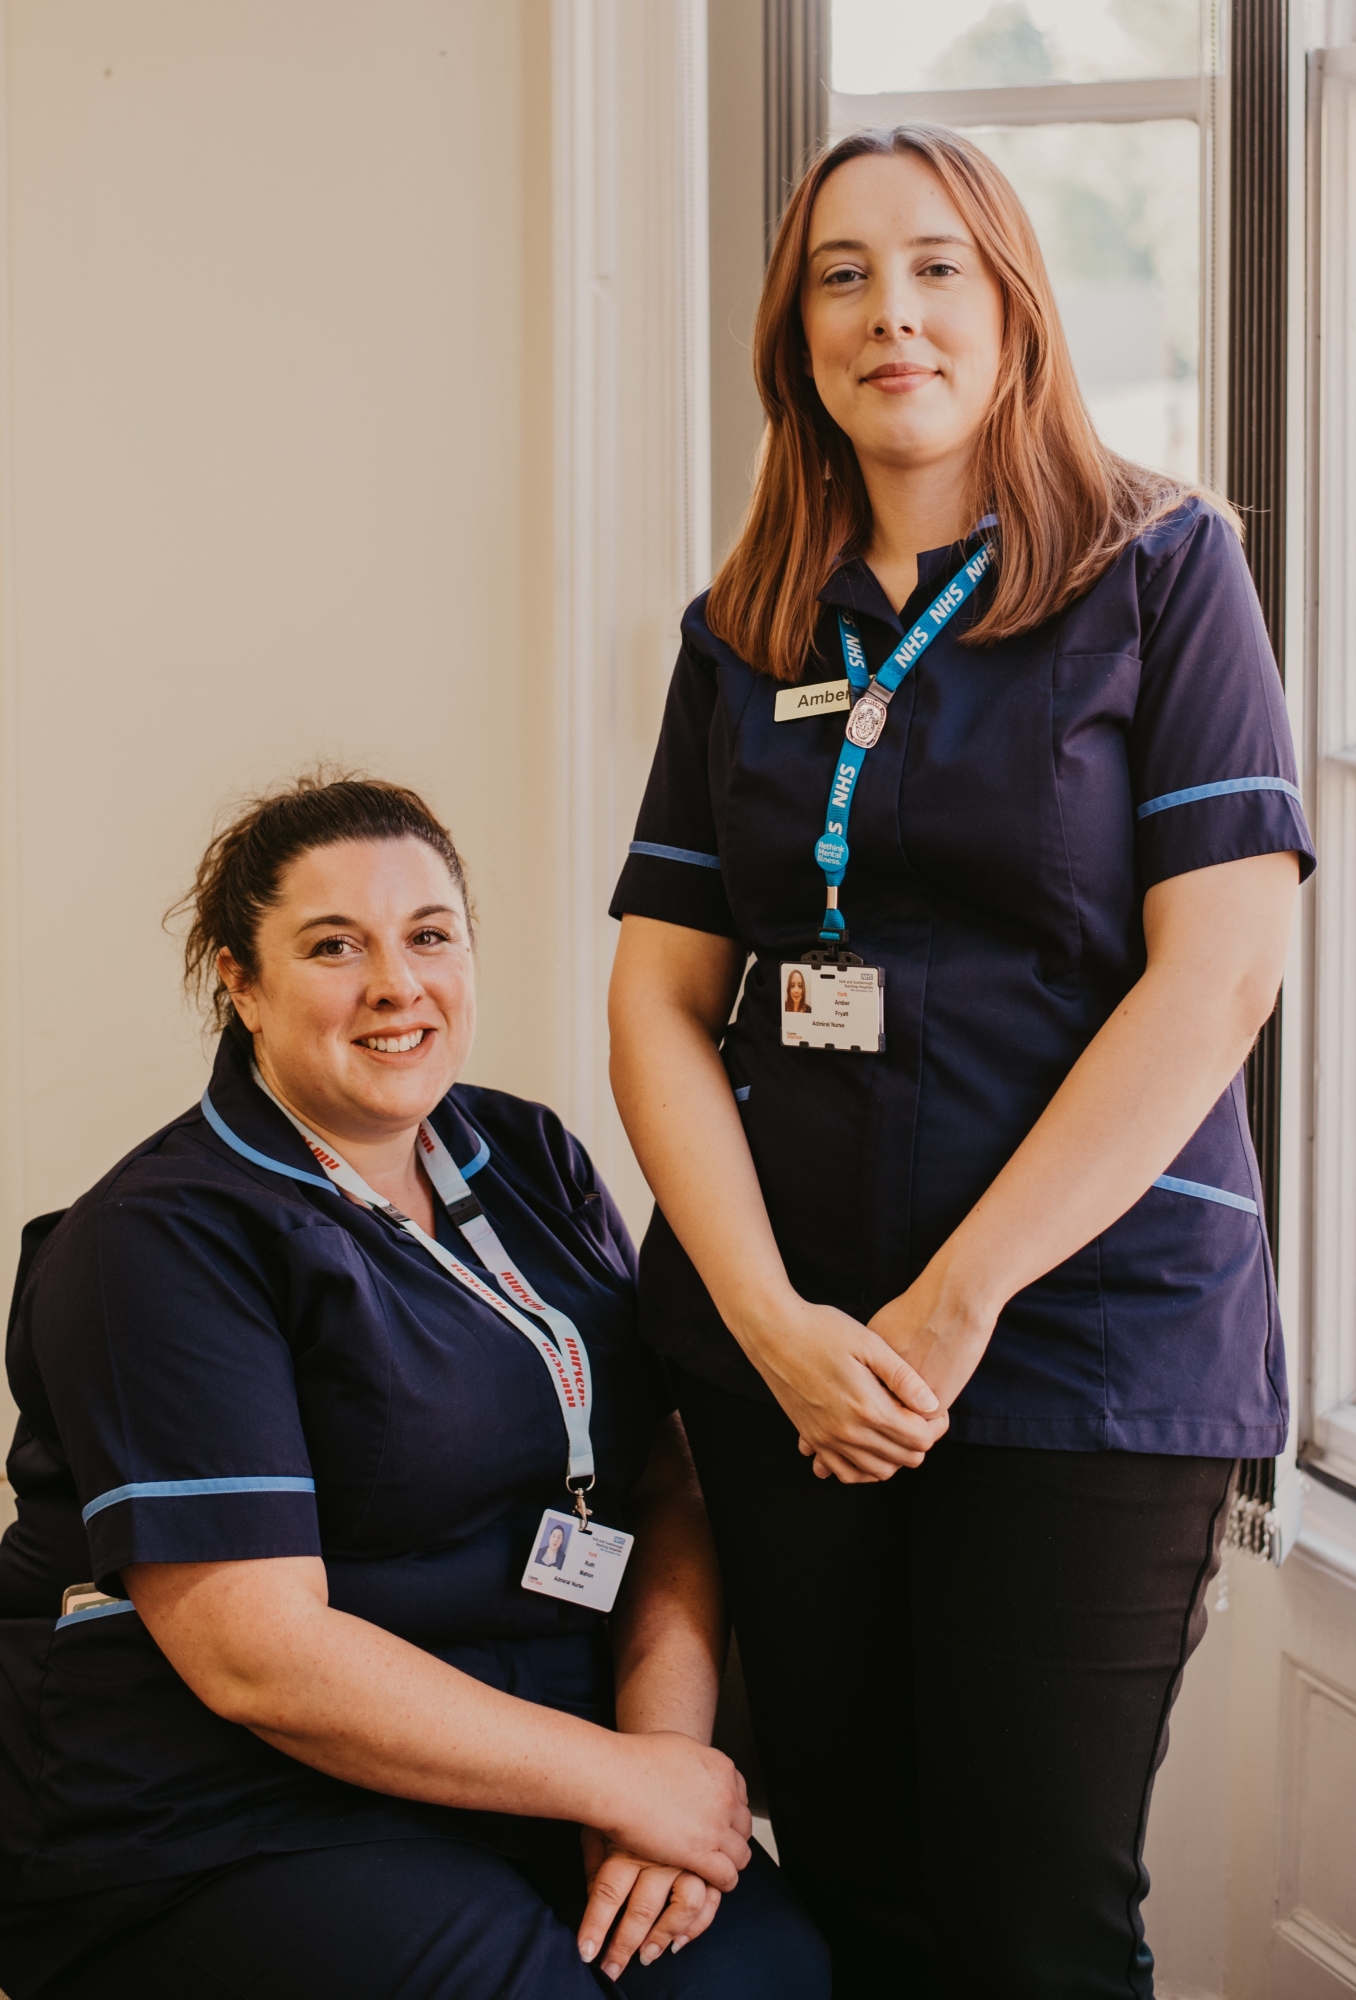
[[237, 1145], [661, 853], [179, 1489], [742, 1094], [95, 1611], [1218, 791], [1203, 1193]]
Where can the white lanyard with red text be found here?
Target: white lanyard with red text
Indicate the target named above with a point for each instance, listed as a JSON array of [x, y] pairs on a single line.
[[567, 1363]]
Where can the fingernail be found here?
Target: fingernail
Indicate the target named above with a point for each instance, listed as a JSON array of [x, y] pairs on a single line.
[[612, 1969], [649, 1953], [678, 1943], [588, 1951]]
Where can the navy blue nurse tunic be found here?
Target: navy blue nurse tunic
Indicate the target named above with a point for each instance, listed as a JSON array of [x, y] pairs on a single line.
[[1022, 799], [212, 1363]]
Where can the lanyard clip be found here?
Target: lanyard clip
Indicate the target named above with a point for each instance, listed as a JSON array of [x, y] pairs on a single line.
[[840, 957], [581, 1506]]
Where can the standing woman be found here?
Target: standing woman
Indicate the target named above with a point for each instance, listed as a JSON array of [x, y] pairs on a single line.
[[973, 1309]]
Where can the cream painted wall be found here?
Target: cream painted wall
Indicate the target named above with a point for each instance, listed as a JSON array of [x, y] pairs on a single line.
[[736, 101], [275, 485]]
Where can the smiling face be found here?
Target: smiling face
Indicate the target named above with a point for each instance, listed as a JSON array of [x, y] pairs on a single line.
[[903, 317], [363, 1006]]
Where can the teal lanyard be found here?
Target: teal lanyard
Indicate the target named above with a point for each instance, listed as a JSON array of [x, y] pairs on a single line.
[[871, 707]]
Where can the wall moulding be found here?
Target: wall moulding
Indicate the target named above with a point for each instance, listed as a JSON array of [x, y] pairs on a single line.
[[632, 471]]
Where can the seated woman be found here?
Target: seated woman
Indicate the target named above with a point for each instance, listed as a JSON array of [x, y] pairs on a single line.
[[321, 1724]]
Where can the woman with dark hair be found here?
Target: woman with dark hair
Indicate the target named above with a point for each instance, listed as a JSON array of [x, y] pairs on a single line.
[[303, 1382], [975, 1271]]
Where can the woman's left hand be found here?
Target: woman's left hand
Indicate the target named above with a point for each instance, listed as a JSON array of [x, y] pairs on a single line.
[[659, 1908]]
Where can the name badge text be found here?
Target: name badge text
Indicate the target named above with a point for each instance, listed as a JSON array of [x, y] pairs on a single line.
[[819, 698]]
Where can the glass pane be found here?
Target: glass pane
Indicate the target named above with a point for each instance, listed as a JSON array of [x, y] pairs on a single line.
[[883, 45], [1117, 211]]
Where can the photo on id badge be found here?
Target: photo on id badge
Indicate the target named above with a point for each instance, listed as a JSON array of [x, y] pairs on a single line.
[[833, 1007]]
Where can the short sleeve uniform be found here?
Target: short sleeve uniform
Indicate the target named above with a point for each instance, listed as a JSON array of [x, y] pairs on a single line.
[[215, 1362], [1023, 798]]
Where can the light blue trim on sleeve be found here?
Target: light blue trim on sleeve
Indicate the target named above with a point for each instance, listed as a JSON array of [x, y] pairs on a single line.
[[661, 853], [1201, 1192], [178, 1489], [742, 1094], [480, 1160], [1217, 791], [95, 1611], [237, 1145]]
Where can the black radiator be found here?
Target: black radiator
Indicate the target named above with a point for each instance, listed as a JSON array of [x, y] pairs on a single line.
[[1256, 461]]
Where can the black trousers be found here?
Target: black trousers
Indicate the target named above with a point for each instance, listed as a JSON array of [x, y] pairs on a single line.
[[427, 1919], [959, 1683]]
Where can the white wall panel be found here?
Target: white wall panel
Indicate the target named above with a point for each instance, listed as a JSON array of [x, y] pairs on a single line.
[[275, 333]]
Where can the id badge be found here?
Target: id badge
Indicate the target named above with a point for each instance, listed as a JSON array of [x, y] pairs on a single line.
[[581, 1565], [833, 1007]]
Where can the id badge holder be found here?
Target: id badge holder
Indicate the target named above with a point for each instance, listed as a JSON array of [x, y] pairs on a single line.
[[832, 1000], [578, 1562]]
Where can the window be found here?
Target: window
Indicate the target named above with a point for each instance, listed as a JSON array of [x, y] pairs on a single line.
[[1102, 114], [1331, 1424]]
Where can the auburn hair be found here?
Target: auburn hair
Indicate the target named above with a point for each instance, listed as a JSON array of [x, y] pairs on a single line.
[[1066, 504]]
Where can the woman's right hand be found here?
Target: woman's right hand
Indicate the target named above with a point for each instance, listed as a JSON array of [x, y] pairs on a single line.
[[676, 1802], [860, 1409]]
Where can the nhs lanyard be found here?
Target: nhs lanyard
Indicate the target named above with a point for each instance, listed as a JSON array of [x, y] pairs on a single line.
[[566, 1356], [871, 707]]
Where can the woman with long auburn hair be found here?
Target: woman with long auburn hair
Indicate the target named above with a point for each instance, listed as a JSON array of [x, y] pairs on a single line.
[[964, 1289]]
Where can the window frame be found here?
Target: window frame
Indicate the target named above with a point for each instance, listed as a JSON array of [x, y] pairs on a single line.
[[1328, 1414]]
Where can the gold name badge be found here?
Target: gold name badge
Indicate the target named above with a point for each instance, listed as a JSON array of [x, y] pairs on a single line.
[[820, 698]]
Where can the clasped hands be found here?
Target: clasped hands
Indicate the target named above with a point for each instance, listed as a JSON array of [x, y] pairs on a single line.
[[653, 1908], [868, 1400], [684, 1801]]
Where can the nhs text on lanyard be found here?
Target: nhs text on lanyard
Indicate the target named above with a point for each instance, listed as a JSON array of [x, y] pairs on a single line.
[[571, 1558], [830, 999]]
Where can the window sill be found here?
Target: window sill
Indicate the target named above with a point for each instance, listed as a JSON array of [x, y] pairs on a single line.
[[1332, 1449], [1327, 1533]]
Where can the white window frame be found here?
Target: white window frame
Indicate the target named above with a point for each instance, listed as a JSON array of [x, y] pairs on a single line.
[[1328, 1418]]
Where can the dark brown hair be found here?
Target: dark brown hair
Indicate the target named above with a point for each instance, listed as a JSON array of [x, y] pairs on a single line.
[[1066, 504], [239, 876]]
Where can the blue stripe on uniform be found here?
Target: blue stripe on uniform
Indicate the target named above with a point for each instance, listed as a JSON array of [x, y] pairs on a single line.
[[237, 1145], [742, 1094], [1203, 1193], [177, 1489], [95, 1611], [674, 853], [1217, 791]]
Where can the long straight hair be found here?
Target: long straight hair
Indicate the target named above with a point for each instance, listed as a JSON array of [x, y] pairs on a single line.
[[1066, 505]]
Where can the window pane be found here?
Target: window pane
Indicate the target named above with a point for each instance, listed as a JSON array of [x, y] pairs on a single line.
[[1116, 208], [881, 45]]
